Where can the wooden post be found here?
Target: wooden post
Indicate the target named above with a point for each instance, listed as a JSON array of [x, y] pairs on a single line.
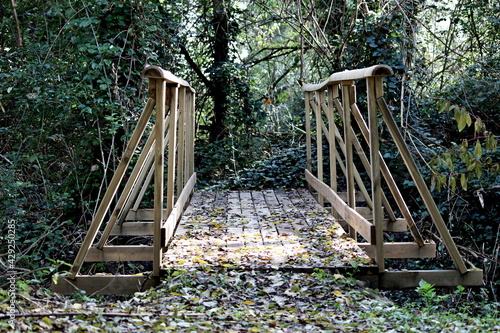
[[308, 131], [346, 107], [373, 85], [332, 90], [181, 157], [158, 174], [319, 139], [172, 145]]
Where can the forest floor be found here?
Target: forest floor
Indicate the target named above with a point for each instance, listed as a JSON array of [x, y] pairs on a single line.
[[231, 270], [204, 299]]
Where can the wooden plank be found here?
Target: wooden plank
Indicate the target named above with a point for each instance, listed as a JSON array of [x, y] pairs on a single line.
[[422, 187], [402, 250], [168, 227], [364, 227], [104, 285], [358, 196], [133, 229], [444, 278], [121, 253], [400, 225], [146, 214], [349, 75], [156, 72]]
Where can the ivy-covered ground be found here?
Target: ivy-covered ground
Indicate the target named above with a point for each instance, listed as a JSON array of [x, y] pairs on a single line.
[[207, 300]]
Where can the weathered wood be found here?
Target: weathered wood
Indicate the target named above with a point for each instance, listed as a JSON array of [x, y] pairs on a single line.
[[145, 176], [349, 153], [401, 250], [444, 278], [155, 72], [104, 285], [332, 90], [113, 188], [389, 179], [353, 218], [349, 75], [145, 214], [422, 187], [163, 91], [120, 253], [137, 176], [376, 181], [181, 146], [399, 225], [308, 98], [168, 227], [133, 229], [161, 96], [320, 126], [342, 145]]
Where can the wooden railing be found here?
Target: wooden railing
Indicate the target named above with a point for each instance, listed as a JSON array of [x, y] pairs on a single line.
[[358, 134], [171, 140]]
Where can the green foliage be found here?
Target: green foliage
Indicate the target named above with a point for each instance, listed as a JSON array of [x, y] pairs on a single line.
[[69, 98], [474, 159]]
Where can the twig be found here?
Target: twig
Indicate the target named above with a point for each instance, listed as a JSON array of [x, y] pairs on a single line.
[[70, 314], [19, 38]]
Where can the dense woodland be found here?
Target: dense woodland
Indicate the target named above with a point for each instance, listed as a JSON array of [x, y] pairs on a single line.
[[71, 91]]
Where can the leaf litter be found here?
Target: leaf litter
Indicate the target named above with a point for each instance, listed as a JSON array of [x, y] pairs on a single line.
[[226, 271]]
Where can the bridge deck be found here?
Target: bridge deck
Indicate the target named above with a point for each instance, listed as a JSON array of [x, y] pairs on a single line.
[[260, 229]]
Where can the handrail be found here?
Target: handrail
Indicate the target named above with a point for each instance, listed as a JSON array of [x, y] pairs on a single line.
[[349, 75], [172, 138], [156, 72], [336, 98]]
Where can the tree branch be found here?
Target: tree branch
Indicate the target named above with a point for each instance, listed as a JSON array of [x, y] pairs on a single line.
[[195, 67]]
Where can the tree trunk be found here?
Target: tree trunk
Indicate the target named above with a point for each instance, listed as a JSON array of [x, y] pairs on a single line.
[[220, 80]]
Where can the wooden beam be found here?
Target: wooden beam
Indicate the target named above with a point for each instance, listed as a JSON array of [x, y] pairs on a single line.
[[146, 214], [364, 227], [133, 229], [168, 227], [402, 250], [355, 74], [422, 187], [121, 253], [444, 278], [104, 285]]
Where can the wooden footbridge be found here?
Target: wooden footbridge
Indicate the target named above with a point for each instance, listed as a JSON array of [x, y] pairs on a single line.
[[269, 229]]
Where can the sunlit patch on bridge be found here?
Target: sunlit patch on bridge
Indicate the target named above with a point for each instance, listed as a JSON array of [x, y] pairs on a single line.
[[265, 229]]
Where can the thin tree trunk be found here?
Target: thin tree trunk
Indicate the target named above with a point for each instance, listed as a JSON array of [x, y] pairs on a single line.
[[19, 39]]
